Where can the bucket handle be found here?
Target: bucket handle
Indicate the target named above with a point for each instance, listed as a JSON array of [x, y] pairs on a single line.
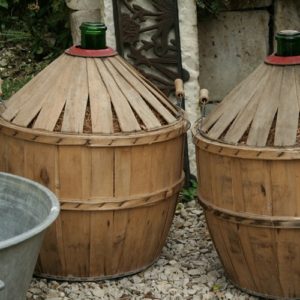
[[2, 285]]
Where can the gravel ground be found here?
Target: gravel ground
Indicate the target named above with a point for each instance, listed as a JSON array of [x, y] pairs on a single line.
[[188, 268]]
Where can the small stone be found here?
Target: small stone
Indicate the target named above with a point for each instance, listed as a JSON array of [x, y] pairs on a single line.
[[35, 291], [194, 272], [98, 293], [53, 294]]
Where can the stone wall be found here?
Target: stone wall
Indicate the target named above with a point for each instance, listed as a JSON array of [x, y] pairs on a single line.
[[235, 42]]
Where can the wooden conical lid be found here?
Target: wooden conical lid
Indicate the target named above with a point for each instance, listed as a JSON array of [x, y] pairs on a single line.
[[90, 95], [263, 110]]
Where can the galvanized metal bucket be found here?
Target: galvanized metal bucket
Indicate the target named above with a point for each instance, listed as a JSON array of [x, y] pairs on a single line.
[[26, 210]]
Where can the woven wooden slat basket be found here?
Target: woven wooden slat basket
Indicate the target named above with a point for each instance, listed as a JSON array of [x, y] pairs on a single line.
[[248, 157], [110, 145]]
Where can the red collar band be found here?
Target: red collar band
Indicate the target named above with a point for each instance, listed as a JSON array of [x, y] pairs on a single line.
[[282, 60], [77, 51]]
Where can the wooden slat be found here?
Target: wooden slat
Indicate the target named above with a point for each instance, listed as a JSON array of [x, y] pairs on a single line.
[[144, 91], [247, 245], [266, 109], [288, 111], [214, 227], [246, 115], [256, 187], [122, 171], [135, 100], [14, 162], [55, 103], [235, 250], [261, 249], [204, 174], [149, 85], [283, 183], [101, 112], [288, 253], [118, 237], [40, 95], [237, 185], [76, 239], [171, 204], [221, 181], [16, 102], [77, 101], [155, 221], [102, 183], [141, 164], [101, 246], [70, 167], [233, 97], [51, 257], [135, 235], [39, 164], [294, 168], [237, 104], [126, 118]]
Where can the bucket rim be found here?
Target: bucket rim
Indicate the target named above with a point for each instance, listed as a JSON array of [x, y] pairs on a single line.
[[52, 215]]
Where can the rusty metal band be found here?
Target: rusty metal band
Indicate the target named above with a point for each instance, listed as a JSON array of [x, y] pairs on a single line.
[[249, 219], [106, 203]]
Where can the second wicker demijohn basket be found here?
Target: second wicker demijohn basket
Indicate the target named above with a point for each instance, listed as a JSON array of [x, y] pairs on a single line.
[[248, 157], [110, 145]]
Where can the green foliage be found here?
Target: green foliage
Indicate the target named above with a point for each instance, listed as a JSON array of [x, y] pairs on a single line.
[[210, 6], [41, 24], [190, 193], [3, 3], [216, 288]]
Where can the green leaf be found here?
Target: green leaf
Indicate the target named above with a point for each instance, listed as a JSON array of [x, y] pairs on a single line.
[[4, 4]]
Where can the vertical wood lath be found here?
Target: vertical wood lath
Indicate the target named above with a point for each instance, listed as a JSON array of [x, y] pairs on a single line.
[[144, 92], [266, 109], [232, 98], [77, 101], [135, 100], [19, 99], [238, 103], [41, 94], [246, 115], [288, 110], [53, 106], [153, 89], [284, 194], [123, 110], [101, 113]]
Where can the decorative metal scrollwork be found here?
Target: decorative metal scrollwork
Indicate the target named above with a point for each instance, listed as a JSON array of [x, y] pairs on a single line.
[[149, 38]]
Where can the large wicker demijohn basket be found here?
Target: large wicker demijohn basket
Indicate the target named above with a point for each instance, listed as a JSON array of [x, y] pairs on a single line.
[[110, 145], [248, 157]]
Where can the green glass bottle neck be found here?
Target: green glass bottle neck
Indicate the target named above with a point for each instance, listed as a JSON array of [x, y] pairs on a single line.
[[93, 35], [288, 43]]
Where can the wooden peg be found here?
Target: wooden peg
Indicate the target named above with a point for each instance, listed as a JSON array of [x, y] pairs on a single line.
[[179, 89], [204, 96]]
